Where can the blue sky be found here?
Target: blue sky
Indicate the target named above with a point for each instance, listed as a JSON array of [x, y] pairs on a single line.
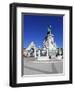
[[35, 28]]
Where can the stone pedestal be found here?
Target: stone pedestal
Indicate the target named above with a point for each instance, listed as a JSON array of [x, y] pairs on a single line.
[[35, 53], [47, 53], [59, 57]]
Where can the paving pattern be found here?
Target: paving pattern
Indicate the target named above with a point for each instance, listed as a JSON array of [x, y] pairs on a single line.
[[31, 66]]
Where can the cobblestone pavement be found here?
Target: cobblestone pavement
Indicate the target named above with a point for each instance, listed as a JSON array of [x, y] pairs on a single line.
[[31, 66]]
